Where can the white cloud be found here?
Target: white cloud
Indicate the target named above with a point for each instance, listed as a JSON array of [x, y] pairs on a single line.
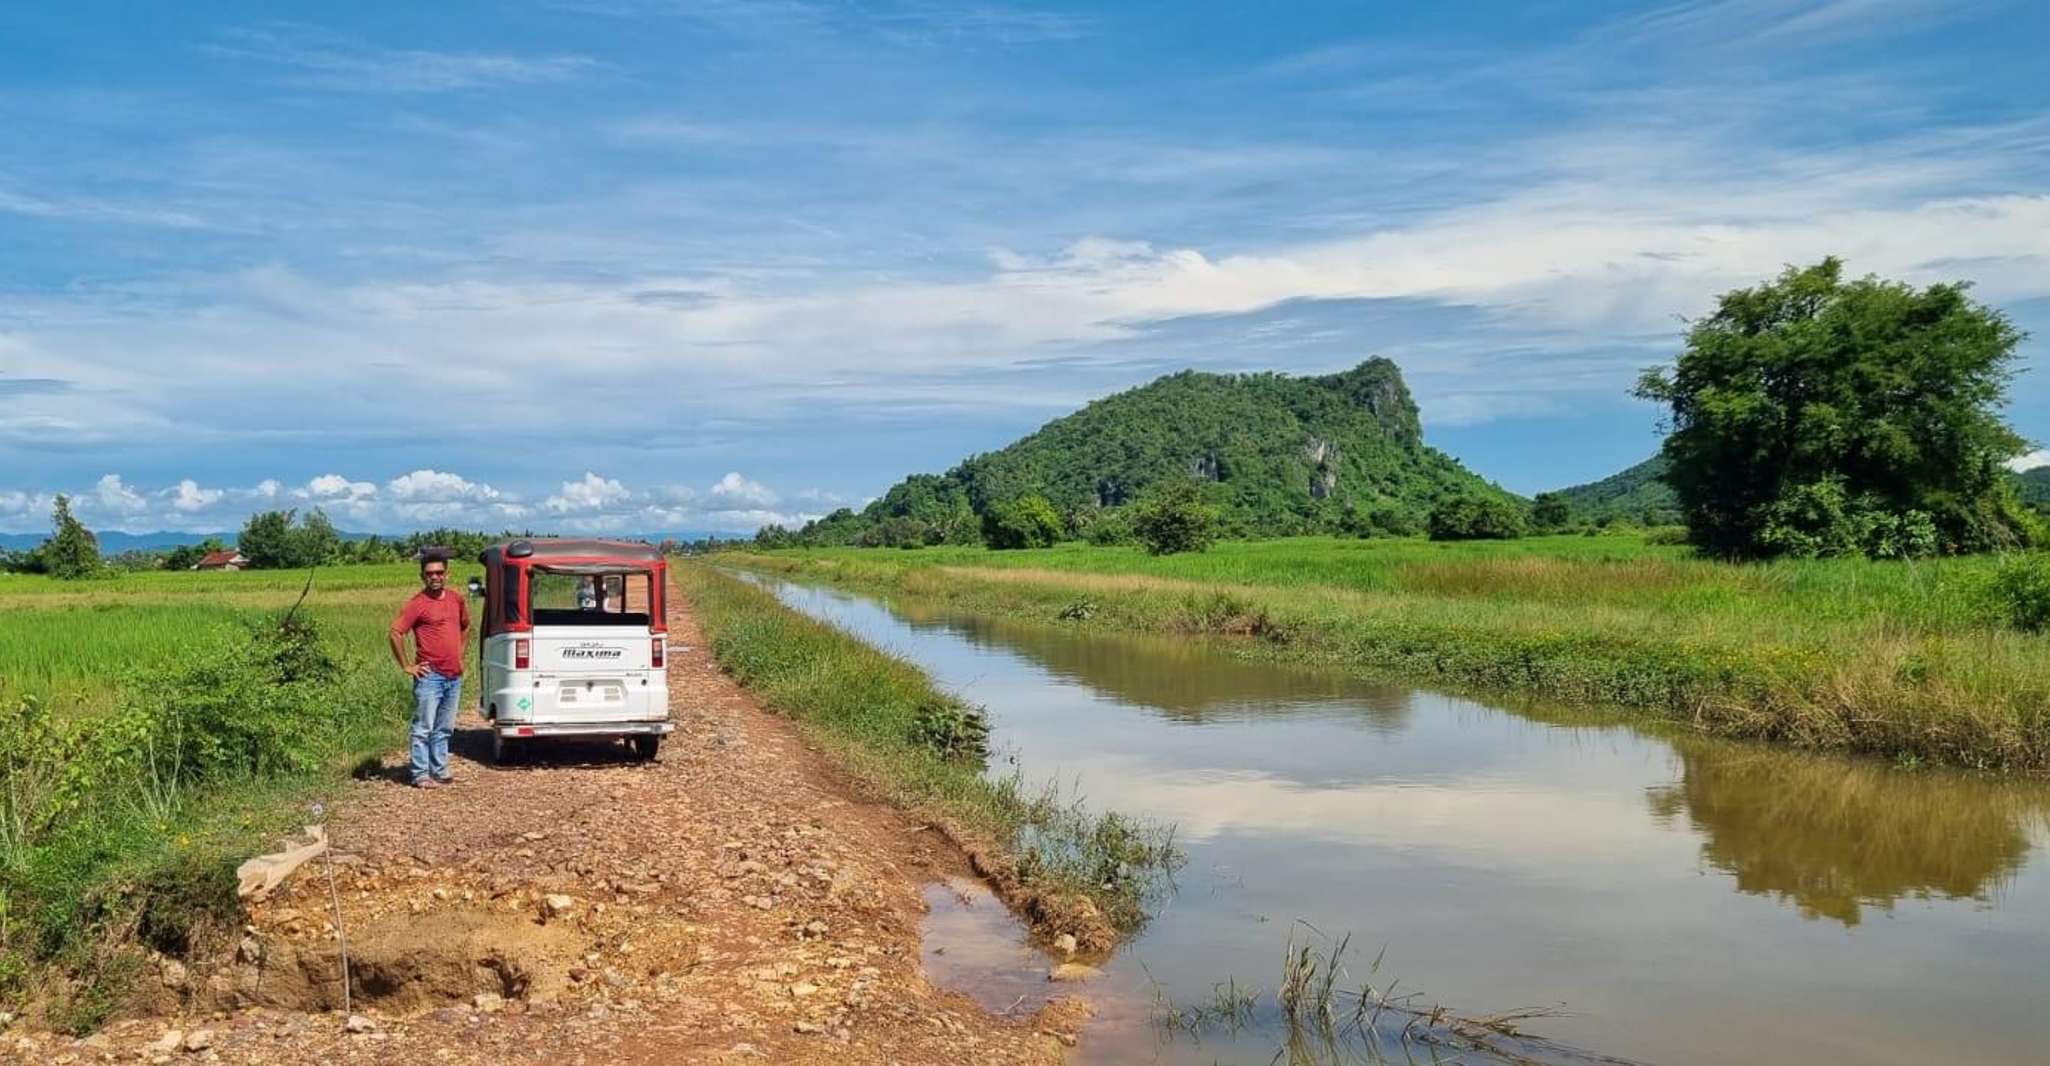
[[419, 499], [15, 505], [330, 61], [437, 487], [187, 496], [593, 493], [735, 489], [335, 487], [2020, 463], [110, 496]]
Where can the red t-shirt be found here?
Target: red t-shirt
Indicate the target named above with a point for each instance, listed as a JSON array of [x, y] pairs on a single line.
[[437, 625]]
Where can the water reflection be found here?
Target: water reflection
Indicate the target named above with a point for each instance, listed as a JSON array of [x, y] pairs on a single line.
[[1835, 837], [1665, 889], [1185, 680]]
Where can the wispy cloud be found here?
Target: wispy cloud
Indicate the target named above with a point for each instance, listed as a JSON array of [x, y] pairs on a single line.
[[1712, 23], [327, 60], [901, 22], [88, 209]]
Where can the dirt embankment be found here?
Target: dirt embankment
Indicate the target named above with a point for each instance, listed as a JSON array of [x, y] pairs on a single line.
[[735, 901]]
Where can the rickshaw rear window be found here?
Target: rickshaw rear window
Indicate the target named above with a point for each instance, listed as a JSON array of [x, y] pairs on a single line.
[[509, 592], [600, 599]]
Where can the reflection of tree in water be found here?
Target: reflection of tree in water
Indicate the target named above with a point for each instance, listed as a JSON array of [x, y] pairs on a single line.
[[1836, 835], [1187, 680]]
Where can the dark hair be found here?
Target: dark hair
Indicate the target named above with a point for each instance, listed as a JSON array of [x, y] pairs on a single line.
[[434, 555]]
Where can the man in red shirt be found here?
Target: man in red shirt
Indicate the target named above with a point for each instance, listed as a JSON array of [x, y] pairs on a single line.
[[439, 621]]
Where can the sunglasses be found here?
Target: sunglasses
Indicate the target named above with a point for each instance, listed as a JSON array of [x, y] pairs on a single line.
[[433, 573]]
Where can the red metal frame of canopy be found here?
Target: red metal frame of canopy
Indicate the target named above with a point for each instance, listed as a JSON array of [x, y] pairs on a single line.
[[507, 565]]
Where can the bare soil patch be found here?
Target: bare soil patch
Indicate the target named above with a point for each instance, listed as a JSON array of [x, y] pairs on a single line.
[[735, 900]]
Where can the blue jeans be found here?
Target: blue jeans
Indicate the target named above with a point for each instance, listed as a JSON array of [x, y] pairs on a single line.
[[434, 718]]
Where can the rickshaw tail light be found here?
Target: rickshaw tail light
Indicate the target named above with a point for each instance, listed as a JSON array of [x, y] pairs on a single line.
[[522, 653], [655, 649]]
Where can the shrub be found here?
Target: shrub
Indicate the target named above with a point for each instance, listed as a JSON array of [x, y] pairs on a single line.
[[1821, 519], [1113, 526], [1379, 520], [951, 729], [1550, 510], [901, 531], [1175, 520], [90, 796], [1027, 522], [1666, 535], [1476, 518], [1392, 520], [2020, 591]]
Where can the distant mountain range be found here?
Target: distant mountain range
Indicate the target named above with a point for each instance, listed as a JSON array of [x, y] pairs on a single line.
[[1636, 494], [1640, 491], [114, 542], [2033, 486]]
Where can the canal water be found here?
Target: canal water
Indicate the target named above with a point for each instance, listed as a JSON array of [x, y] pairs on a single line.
[[1676, 899]]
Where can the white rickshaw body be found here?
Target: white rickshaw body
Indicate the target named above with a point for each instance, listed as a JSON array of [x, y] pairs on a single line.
[[573, 643]]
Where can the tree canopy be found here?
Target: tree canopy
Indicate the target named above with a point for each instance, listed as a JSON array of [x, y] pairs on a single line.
[[72, 551], [1813, 415], [1175, 519]]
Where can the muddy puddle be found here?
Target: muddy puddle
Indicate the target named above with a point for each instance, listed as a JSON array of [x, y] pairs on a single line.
[[1659, 898]]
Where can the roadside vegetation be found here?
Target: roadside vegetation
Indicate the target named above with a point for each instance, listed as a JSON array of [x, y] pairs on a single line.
[[155, 730], [1938, 660], [1068, 870]]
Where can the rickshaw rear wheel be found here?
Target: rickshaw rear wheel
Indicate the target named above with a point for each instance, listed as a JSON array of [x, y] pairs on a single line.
[[645, 745], [503, 750]]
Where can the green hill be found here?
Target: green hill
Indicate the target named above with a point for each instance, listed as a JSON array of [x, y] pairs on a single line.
[[1640, 494], [1278, 455], [1636, 494], [2033, 486]]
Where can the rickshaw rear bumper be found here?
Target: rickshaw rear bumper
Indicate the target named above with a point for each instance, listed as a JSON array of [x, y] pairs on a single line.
[[583, 729]]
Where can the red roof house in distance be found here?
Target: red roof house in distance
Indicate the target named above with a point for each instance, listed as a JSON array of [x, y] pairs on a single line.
[[227, 560]]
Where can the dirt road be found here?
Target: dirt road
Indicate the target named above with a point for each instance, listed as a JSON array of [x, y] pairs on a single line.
[[735, 901]]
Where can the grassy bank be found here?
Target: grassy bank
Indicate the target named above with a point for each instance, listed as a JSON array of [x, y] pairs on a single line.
[[882, 719], [155, 730], [1902, 660]]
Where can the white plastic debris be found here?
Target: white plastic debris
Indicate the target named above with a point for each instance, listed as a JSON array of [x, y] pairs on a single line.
[[260, 875]]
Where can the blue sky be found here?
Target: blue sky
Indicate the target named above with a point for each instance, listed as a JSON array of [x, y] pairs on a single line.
[[662, 264]]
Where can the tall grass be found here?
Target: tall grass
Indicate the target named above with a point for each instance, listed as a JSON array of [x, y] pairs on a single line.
[[154, 730], [1327, 1014], [1905, 660], [68, 643], [1070, 870]]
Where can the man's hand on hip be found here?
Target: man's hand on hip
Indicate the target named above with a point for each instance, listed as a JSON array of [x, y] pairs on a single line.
[[418, 670]]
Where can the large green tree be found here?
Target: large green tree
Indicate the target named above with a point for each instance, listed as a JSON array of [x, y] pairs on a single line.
[[1814, 415], [268, 540], [317, 540], [1175, 519], [72, 551]]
